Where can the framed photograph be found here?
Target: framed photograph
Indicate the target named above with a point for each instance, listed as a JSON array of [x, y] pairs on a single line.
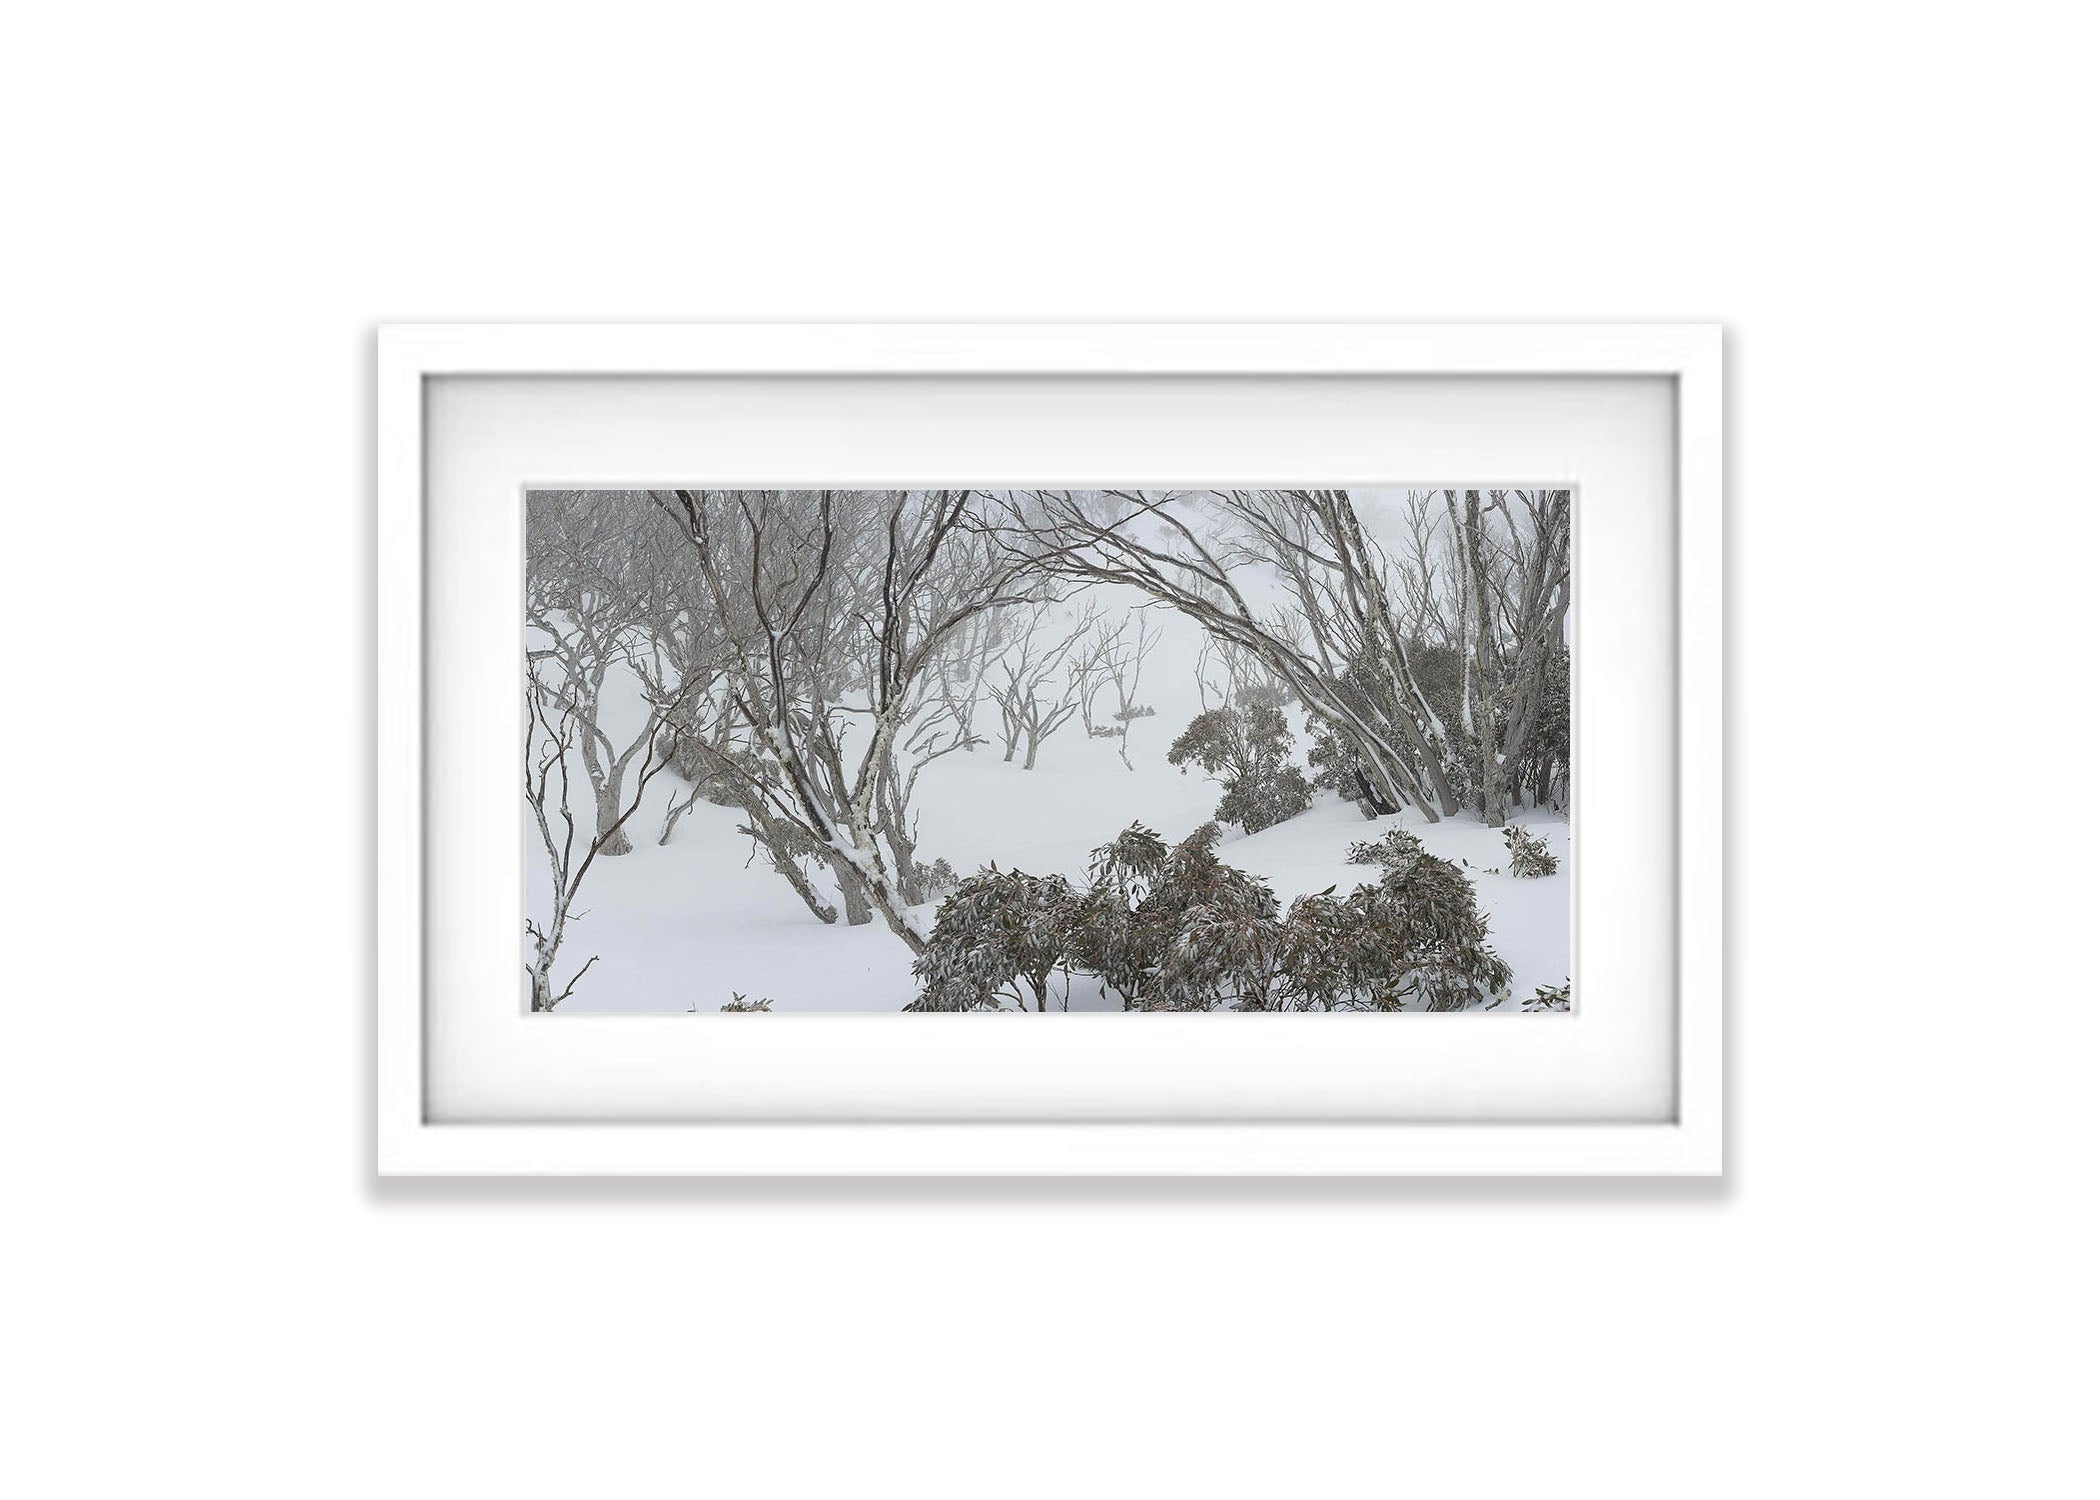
[[998, 750]]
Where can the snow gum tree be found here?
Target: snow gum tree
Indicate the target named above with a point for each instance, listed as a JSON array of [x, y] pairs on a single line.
[[586, 600], [1038, 685], [1108, 673], [1475, 579], [553, 733], [1513, 550], [836, 609]]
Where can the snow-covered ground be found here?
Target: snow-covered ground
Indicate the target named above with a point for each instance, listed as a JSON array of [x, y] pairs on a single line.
[[684, 926]]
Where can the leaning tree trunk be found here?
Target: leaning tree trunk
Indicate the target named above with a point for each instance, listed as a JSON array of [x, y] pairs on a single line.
[[867, 889], [778, 837], [788, 868], [853, 891], [856, 846], [1368, 802]]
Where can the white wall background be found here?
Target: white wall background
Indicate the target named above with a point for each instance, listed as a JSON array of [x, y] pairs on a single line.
[[211, 205]]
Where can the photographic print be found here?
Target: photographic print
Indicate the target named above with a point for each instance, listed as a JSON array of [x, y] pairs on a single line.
[[1048, 751]]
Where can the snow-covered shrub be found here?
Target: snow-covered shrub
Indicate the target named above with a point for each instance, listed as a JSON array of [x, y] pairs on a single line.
[[1256, 803], [1116, 931], [1423, 934], [1247, 751], [1529, 857], [1415, 936], [738, 1002], [1129, 861], [1001, 929], [1550, 996], [1396, 849], [1313, 954], [1173, 928], [1214, 926]]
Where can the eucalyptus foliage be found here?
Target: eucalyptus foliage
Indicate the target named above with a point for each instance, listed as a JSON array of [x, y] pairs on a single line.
[[1173, 927]]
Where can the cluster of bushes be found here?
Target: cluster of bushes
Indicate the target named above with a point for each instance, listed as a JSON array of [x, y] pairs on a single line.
[[1173, 927]]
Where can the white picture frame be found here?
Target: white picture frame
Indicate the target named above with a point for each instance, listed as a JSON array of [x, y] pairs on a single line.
[[1686, 1139]]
